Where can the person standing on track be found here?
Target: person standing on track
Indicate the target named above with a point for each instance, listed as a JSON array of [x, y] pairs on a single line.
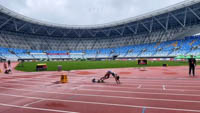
[[9, 63], [192, 65]]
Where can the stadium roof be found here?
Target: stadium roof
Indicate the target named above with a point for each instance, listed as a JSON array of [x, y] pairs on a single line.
[[179, 15]]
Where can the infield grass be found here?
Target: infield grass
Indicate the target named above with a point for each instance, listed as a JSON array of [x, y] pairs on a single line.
[[81, 65]]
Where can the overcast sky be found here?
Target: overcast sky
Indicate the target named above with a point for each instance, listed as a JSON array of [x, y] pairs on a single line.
[[84, 12]]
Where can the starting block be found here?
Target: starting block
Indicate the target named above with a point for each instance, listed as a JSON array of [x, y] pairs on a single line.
[[64, 78]]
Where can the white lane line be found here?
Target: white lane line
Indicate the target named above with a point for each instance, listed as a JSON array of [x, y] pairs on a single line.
[[150, 84], [85, 81], [35, 82], [175, 85], [144, 80], [104, 96], [100, 103], [140, 86], [124, 84], [94, 86], [47, 83], [113, 87], [164, 88], [132, 92], [32, 102], [40, 109], [76, 88], [37, 77], [161, 79], [127, 92], [34, 78]]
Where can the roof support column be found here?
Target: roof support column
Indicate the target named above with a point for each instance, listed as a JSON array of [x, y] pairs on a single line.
[[185, 17], [3, 24], [191, 10], [177, 19]]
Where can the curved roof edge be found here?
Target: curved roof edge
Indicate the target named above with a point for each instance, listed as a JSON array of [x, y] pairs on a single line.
[[121, 22]]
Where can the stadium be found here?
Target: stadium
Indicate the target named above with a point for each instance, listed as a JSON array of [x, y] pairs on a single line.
[[163, 40]]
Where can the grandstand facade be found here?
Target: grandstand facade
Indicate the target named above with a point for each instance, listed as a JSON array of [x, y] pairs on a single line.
[[166, 32]]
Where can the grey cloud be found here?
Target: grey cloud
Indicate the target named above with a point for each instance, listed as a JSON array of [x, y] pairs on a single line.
[[84, 12]]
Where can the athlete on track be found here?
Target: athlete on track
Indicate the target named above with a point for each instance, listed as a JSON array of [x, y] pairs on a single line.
[[107, 76]]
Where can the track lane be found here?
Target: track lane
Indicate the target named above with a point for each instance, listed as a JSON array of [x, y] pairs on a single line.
[[185, 90]]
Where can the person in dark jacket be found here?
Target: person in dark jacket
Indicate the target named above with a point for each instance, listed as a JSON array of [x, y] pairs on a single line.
[[9, 63], [192, 64]]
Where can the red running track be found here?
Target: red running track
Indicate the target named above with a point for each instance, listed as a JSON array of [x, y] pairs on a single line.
[[154, 90]]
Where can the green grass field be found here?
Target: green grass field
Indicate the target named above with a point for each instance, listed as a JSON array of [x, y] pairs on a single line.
[[82, 65]]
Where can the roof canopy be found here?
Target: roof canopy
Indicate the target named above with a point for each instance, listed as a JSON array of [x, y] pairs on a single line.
[[184, 14]]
